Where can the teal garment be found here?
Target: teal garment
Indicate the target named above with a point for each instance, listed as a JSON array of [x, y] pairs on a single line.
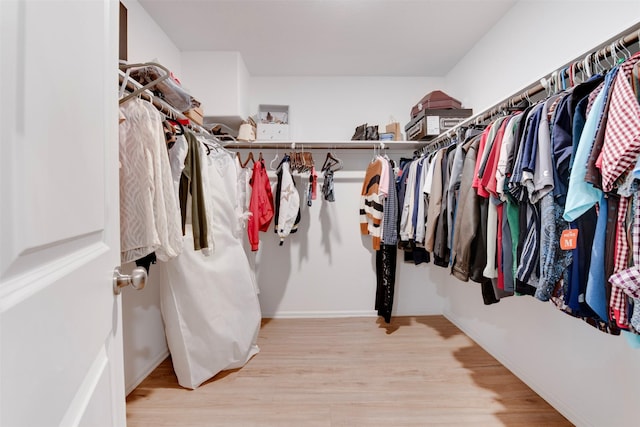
[[581, 195], [513, 214], [596, 293], [632, 339]]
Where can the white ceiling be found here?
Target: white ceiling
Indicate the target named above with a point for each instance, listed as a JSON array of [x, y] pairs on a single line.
[[332, 37]]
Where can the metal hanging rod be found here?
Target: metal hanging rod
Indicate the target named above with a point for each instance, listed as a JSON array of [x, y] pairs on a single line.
[[582, 64], [317, 145]]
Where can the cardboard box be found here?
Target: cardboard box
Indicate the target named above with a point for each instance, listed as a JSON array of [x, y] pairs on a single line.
[[195, 114], [431, 123], [273, 123]]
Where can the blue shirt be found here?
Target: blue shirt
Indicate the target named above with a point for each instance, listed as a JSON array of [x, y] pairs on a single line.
[[561, 148], [596, 295], [581, 195]]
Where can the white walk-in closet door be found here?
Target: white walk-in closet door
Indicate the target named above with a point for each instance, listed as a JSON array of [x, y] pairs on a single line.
[[60, 322]]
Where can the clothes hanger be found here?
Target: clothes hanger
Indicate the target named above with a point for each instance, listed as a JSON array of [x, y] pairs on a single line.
[[307, 161], [170, 134], [249, 158], [563, 80], [573, 69], [627, 53], [609, 56], [599, 67], [125, 81], [613, 53], [207, 146], [302, 165], [331, 163], [274, 160], [334, 160], [211, 143], [177, 124], [382, 150], [293, 161], [586, 67]]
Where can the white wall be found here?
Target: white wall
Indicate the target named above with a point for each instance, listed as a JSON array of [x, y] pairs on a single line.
[[592, 378], [533, 39], [219, 80], [144, 340], [328, 268], [146, 40], [329, 108]]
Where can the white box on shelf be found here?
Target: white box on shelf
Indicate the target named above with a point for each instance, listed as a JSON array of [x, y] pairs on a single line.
[[273, 123], [272, 132]]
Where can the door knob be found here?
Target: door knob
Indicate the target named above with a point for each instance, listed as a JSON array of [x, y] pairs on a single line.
[[137, 279]]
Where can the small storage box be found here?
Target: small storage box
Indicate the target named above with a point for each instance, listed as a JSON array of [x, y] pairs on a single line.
[[273, 123], [431, 123], [195, 114]]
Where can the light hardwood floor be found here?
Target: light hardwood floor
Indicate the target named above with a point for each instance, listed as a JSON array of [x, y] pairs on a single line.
[[417, 371]]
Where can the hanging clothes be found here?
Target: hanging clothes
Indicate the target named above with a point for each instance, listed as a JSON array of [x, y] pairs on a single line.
[[467, 216], [441, 250], [562, 167], [149, 213], [330, 166], [287, 202], [261, 204], [379, 218], [311, 192], [386, 259], [371, 206], [386, 256], [243, 179], [328, 190], [435, 201], [191, 190]]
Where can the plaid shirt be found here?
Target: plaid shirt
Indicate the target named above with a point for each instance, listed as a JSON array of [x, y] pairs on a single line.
[[618, 301], [622, 135], [628, 279]]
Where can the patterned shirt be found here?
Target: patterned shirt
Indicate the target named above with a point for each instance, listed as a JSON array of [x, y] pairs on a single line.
[[617, 303], [622, 136], [390, 212]]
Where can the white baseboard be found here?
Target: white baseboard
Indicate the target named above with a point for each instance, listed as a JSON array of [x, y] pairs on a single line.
[[319, 314], [153, 364]]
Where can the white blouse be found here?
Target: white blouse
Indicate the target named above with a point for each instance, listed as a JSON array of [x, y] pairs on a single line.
[[149, 211]]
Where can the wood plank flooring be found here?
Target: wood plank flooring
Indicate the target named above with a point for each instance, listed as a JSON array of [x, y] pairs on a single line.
[[417, 371]]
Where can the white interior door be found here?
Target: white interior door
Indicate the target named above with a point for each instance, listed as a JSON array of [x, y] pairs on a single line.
[[60, 336]]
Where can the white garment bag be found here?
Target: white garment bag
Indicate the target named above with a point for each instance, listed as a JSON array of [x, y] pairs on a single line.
[[209, 303]]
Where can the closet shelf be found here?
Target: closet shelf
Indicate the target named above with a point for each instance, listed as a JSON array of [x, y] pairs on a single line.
[[350, 145]]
